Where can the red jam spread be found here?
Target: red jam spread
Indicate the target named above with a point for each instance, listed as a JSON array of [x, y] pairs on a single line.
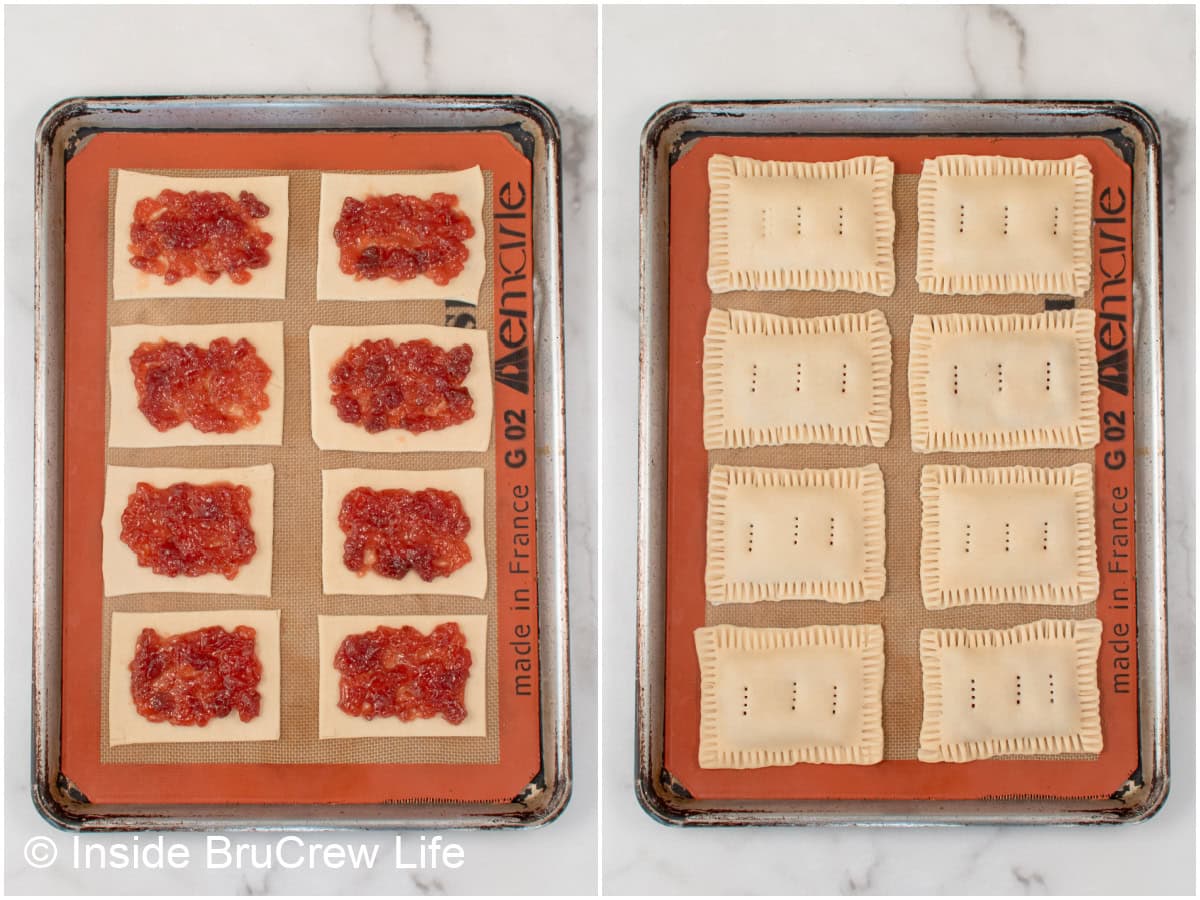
[[402, 673], [391, 532], [415, 386], [189, 679], [401, 237], [190, 529], [222, 389], [200, 233]]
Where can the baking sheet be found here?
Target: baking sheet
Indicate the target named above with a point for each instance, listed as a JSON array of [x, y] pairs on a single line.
[[521, 124], [670, 135]]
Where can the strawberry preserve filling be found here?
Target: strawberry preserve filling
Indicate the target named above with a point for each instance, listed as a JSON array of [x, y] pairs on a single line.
[[402, 673], [394, 531], [220, 389], [399, 236], [190, 529], [415, 386], [192, 678], [201, 233]]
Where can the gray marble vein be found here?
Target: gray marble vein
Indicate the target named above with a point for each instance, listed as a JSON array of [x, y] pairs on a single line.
[[419, 20], [428, 886], [1030, 882], [1005, 17], [397, 36], [994, 50], [861, 880]]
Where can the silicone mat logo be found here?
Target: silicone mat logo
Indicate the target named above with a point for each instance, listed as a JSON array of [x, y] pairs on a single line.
[[515, 308], [1112, 244]]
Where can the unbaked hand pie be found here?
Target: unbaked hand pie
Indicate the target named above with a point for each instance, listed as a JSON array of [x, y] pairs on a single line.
[[796, 226], [402, 676], [188, 236], [1004, 225], [795, 534], [401, 237], [777, 380], [1029, 690], [781, 696], [1004, 382], [1015, 534]]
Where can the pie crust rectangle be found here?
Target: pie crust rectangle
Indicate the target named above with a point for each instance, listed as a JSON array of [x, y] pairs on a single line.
[[796, 226], [334, 723], [778, 380], [334, 284], [469, 581], [267, 283], [781, 696], [326, 345], [1004, 382], [127, 726], [794, 534], [1017, 534], [1029, 690], [128, 427], [123, 575], [1004, 225]]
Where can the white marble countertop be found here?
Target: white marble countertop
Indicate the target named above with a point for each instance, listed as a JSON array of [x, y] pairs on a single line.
[[546, 53], [656, 55]]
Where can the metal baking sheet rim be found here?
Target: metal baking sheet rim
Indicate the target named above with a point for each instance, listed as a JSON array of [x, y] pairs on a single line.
[[534, 128], [663, 136]]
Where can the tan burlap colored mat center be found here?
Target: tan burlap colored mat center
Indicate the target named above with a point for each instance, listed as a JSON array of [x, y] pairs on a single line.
[[297, 544], [901, 612]]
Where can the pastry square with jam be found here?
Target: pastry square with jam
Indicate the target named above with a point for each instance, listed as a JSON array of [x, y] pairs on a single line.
[[200, 237], [400, 388], [401, 237], [403, 676], [168, 671], [412, 531], [196, 385], [199, 531]]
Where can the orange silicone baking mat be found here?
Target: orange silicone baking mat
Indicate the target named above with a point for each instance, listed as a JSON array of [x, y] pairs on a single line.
[[299, 772], [901, 611]]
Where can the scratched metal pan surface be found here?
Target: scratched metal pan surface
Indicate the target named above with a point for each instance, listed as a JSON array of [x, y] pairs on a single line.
[[668, 132], [534, 130]]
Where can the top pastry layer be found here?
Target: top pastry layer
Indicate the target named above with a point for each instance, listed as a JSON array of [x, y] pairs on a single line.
[[793, 226]]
